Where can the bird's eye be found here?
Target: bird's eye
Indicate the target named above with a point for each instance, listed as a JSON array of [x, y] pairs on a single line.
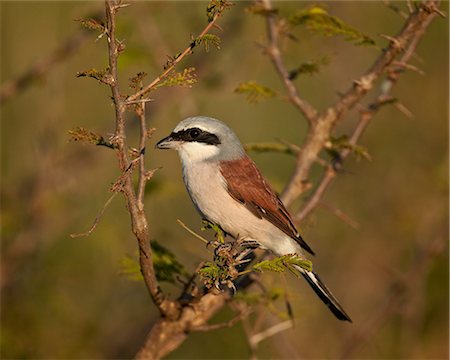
[[194, 133]]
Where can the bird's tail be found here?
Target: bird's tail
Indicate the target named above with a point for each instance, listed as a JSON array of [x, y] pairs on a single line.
[[324, 294]]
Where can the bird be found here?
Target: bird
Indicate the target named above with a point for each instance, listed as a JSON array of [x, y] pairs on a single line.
[[227, 189]]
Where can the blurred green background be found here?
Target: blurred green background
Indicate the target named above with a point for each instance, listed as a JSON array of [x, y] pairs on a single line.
[[66, 298]]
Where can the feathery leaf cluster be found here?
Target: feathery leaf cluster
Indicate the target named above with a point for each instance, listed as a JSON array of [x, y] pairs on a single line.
[[255, 92], [316, 19]]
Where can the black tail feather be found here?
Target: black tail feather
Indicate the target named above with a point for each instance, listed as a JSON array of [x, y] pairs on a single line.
[[325, 294]]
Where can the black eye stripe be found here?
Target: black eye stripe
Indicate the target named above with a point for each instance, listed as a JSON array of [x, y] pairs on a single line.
[[196, 135]]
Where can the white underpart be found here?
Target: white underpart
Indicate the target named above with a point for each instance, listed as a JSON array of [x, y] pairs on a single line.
[[208, 191]]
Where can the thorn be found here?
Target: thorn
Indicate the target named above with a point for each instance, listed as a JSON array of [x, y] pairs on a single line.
[[403, 109], [439, 12], [408, 67], [410, 6], [140, 101], [217, 27], [120, 6], [393, 40]]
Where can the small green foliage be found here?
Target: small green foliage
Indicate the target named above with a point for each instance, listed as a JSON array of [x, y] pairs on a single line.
[[259, 9], [185, 78], [271, 147], [207, 41], [136, 81], [340, 143], [216, 7], [317, 20], [102, 76], [86, 136], [92, 24], [220, 236], [166, 266], [254, 91], [212, 274], [281, 263], [309, 67], [129, 267]]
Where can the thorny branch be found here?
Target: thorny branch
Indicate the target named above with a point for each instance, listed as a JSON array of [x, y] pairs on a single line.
[[320, 130], [186, 51], [274, 53], [393, 69], [134, 202]]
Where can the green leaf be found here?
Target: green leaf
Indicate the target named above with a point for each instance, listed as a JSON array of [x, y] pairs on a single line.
[[102, 76], [129, 267], [309, 67], [340, 143], [317, 20], [281, 263], [83, 135], [216, 7], [166, 266], [207, 41], [185, 78], [219, 232], [92, 24], [211, 274], [254, 92]]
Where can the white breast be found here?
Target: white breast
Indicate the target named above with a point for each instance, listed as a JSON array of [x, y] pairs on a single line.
[[208, 191]]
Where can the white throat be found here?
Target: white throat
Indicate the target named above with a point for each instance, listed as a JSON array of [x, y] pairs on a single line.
[[192, 152]]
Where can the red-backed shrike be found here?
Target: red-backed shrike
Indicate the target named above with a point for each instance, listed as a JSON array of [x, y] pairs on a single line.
[[227, 189]]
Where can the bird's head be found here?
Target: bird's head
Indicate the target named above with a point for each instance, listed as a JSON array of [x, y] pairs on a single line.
[[203, 138]]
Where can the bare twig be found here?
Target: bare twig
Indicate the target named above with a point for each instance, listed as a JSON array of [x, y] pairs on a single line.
[[183, 225], [97, 218], [274, 53], [341, 215], [140, 110], [273, 330]]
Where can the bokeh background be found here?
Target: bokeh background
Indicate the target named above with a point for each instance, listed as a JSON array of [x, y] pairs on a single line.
[[66, 298]]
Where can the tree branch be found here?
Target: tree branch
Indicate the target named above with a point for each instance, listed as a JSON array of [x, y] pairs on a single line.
[[320, 131], [139, 222], [367, 114], [274, 53]]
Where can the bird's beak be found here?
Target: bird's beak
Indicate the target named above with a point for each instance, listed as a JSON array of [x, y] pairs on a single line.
[[166, 143]]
